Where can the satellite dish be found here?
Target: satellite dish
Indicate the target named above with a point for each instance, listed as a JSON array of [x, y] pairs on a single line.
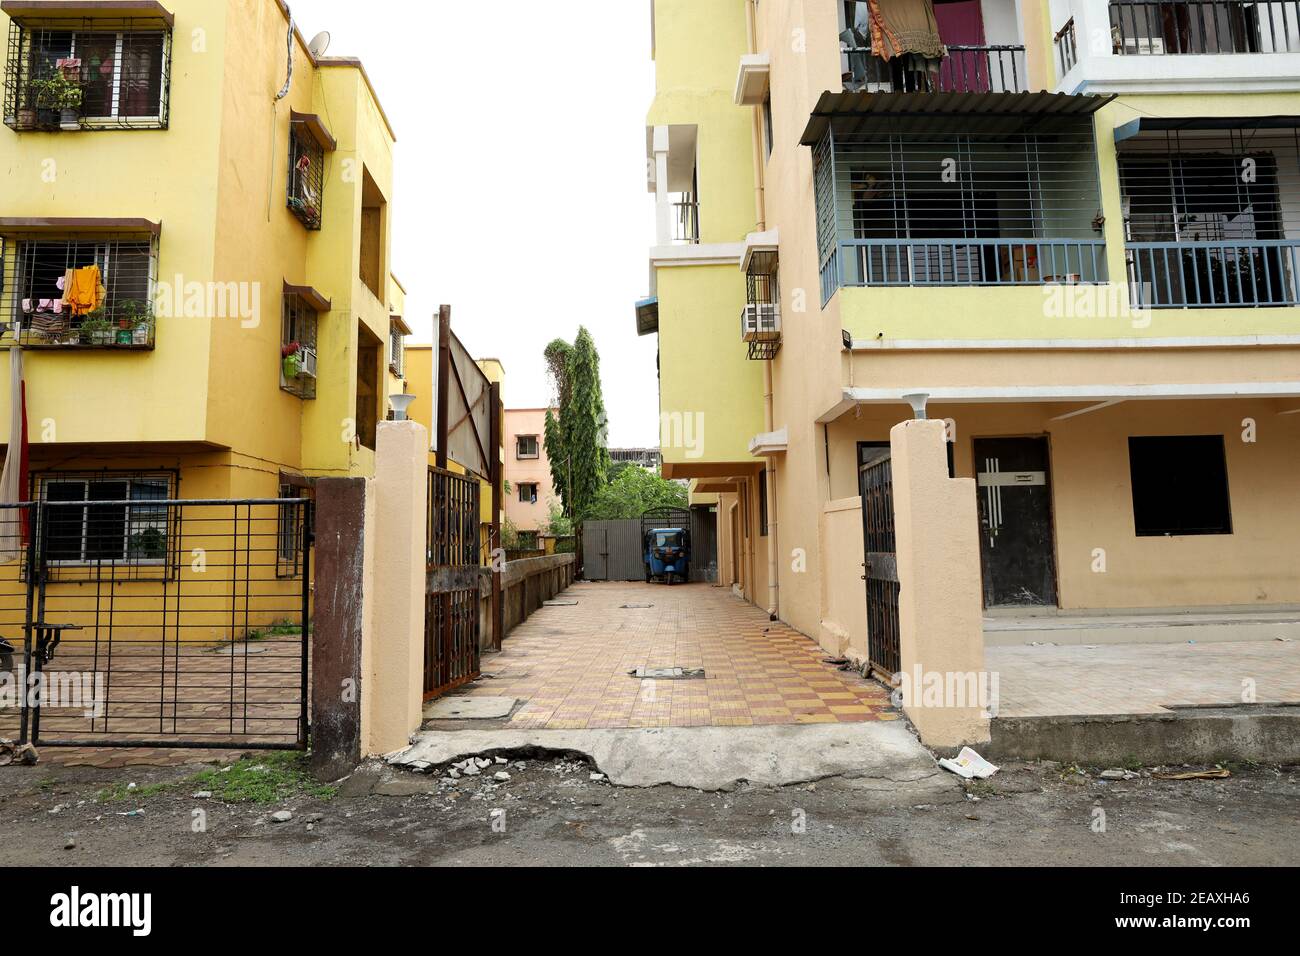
[[319, 44]]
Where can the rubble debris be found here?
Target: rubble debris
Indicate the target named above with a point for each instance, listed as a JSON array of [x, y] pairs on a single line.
[[968, 764]]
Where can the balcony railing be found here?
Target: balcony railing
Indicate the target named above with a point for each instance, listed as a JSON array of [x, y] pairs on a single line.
[[960, 261], [1067, 47], [1225, 274], [1158, 27], [966, 69], [686, 221]]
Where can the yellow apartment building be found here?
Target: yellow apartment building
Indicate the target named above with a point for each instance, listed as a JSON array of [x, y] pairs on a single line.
[[196, 262], [1069, 229]]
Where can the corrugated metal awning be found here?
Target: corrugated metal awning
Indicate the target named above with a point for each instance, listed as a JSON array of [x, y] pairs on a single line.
[[1160, 124], [942, 112]]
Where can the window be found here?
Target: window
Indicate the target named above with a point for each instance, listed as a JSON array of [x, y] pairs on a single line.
[[767, 126], [293, 531], [112, 74], [298, 348], [306, 177], [397, 362], [370, 354], [125, 530], [79, 291], [528, 493], [1180, 485], [526, 447]]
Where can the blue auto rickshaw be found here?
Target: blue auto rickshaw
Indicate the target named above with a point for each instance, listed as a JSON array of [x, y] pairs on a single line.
[[666, 535]]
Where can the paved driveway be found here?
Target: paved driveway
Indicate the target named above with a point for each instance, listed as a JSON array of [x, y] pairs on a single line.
[[570, 666]]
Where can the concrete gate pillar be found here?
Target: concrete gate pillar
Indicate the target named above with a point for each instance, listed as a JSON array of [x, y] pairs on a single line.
[[395, 640], [941, 636]]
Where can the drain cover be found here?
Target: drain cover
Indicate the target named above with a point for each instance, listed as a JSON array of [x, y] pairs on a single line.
[[669, 673], [628, 606], [559, 604]]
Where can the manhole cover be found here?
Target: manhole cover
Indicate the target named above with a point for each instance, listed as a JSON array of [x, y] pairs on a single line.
[[669, 673]]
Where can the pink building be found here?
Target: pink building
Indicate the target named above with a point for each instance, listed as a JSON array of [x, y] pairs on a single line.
[[527, 471]]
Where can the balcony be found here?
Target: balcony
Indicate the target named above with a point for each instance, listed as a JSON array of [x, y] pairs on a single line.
[[1211, 214], [78, 292], [982, 52], [966, 69], [1203, 27], [73, 67], [1177, 45], [1001, 190]]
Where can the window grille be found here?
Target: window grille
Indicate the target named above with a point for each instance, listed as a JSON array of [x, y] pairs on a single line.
[[298, 356], [78, 291], [111, 74]]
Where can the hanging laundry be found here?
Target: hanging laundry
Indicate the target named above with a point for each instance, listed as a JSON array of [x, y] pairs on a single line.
[[86, 291], [903, 27]]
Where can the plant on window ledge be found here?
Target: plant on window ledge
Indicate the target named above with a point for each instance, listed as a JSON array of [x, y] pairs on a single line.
[[96, 329], [147, 545], [292, 360], [61, 94], [135, 323]]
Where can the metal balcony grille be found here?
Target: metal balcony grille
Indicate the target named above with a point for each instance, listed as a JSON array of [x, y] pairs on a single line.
[[966, 69], [109, 74], [306, 191], [903, 206], [397, 348], [760, 320], [1157, 27], [78, 292], [1067, 49], [1212, 217], [298, 355]]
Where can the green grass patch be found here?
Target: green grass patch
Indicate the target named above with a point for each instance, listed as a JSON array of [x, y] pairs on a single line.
[[120, 792], [267, 778]]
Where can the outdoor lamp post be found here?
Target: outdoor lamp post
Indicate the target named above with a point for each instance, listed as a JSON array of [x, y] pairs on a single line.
[[918, 401], [400, 404]]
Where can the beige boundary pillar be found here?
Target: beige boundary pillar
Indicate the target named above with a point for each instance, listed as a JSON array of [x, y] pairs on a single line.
[[393, 642], [940, 604]]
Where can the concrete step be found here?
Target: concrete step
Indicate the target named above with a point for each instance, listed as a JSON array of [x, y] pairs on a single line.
[[1264, 733]]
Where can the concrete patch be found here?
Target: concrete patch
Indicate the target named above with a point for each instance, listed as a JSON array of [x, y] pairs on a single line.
[[469, 708], [708, 758], [559, 604], [669, 673]]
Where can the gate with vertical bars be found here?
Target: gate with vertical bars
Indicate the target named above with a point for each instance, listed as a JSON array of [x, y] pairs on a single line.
[[452, 593], [138, 621], [876, 484]]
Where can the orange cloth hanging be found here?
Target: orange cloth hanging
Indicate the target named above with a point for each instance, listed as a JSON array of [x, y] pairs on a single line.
[[85, 292]]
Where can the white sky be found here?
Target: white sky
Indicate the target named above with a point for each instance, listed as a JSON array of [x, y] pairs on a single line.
[[520, 194]]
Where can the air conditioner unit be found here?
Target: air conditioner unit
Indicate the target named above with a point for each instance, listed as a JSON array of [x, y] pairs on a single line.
[[308, 368], [760, 322]]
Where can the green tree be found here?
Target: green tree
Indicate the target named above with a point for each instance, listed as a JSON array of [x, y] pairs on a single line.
[[576, 442], [633, 491]]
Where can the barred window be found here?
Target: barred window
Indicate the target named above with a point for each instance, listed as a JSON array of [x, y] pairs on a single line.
[[109, 73], [397, 364], [306, 178], [298, 348], [526, 446], [118, 525], [90, 291]]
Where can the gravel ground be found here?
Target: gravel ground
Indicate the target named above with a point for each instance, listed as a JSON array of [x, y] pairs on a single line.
[[551, 812]]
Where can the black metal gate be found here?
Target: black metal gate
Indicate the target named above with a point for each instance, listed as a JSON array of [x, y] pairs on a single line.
[[452, 596], [147, 622], [876, 484]]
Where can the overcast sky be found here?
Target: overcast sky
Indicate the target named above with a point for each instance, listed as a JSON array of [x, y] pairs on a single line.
[[520, 194]]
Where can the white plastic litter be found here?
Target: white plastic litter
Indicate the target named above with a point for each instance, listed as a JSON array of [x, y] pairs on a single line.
[[968, 764]]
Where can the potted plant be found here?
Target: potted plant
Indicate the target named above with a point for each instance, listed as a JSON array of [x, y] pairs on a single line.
[[26, 115], [96, 329], [58, 96], [292, 360]]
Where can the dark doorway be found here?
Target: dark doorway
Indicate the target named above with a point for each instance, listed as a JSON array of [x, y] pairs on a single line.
[[1015, 501]]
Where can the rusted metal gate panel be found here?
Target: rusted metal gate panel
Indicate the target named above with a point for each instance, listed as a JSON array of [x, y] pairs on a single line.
[[451, 608], [136, 620], [876, 483]]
